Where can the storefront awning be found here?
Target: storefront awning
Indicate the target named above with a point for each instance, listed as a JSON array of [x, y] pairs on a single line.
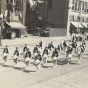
[[77, 24], [16, 25], [84, 25]]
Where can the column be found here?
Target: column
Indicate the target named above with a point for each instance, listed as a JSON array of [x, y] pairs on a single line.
[[13, 2], [69, 13], [24, 11]]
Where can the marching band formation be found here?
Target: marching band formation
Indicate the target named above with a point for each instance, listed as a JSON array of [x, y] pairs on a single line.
[[41, 56]]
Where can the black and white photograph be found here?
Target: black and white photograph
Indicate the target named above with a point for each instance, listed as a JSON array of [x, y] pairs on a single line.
[[43, 43]]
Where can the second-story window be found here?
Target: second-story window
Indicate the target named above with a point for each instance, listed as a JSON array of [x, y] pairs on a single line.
[[87, 8], [11, 1], [78, 6], [7, 1], [40, 4], [50, 4]]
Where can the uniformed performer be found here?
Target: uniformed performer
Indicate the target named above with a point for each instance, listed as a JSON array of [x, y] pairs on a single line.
[[55, 56], [27, 57], [82, 50], [69, 53], [61, 45], [79, 52], [5, 53], [73, 37], [39, 49], [64, 45], [84, 43], [25, 49], [40, 44], [16, 55], [59, 49], [37, 61], [35, 51], [80, 38], [74, 45], [45, 55], [50, 46]]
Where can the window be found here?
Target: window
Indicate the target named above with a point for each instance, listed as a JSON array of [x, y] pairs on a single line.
[[75, 18], [86, 7], [7, 1], [18, 2], [75, 5], [21, 1], [50, 4], [82, 19], [40, 4], [11, 1], [85, 19], [78, 6], [73, 2]]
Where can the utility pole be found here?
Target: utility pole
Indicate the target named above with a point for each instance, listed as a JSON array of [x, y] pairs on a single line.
[[8, 7]]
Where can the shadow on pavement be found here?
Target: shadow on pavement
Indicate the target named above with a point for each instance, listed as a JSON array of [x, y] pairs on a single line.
[[28, 71], [72, 63], [1, 64], [46, 66]]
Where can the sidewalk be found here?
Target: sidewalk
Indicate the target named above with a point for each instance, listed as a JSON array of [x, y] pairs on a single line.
[[73, 75], [32, 40]]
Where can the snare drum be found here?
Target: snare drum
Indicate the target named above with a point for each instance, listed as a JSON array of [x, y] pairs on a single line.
[[27, 58], [69, 56], [35, 54], [45, 56], [5, 54], [54, 58], [15, 57], [37, 61]]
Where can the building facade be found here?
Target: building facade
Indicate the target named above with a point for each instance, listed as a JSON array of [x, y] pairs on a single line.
[[65, 14], [17, 8], [78, 16]]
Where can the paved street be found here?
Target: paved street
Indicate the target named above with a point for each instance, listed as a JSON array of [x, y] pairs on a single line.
[[73, 75]]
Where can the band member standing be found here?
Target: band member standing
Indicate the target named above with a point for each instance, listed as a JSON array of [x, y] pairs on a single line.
[[69, 53], [55, 56], [37, 61], [79, 52], [27, 57], [59, 50], [16, 55], [61, 46], [64, 45], [5, 53]]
